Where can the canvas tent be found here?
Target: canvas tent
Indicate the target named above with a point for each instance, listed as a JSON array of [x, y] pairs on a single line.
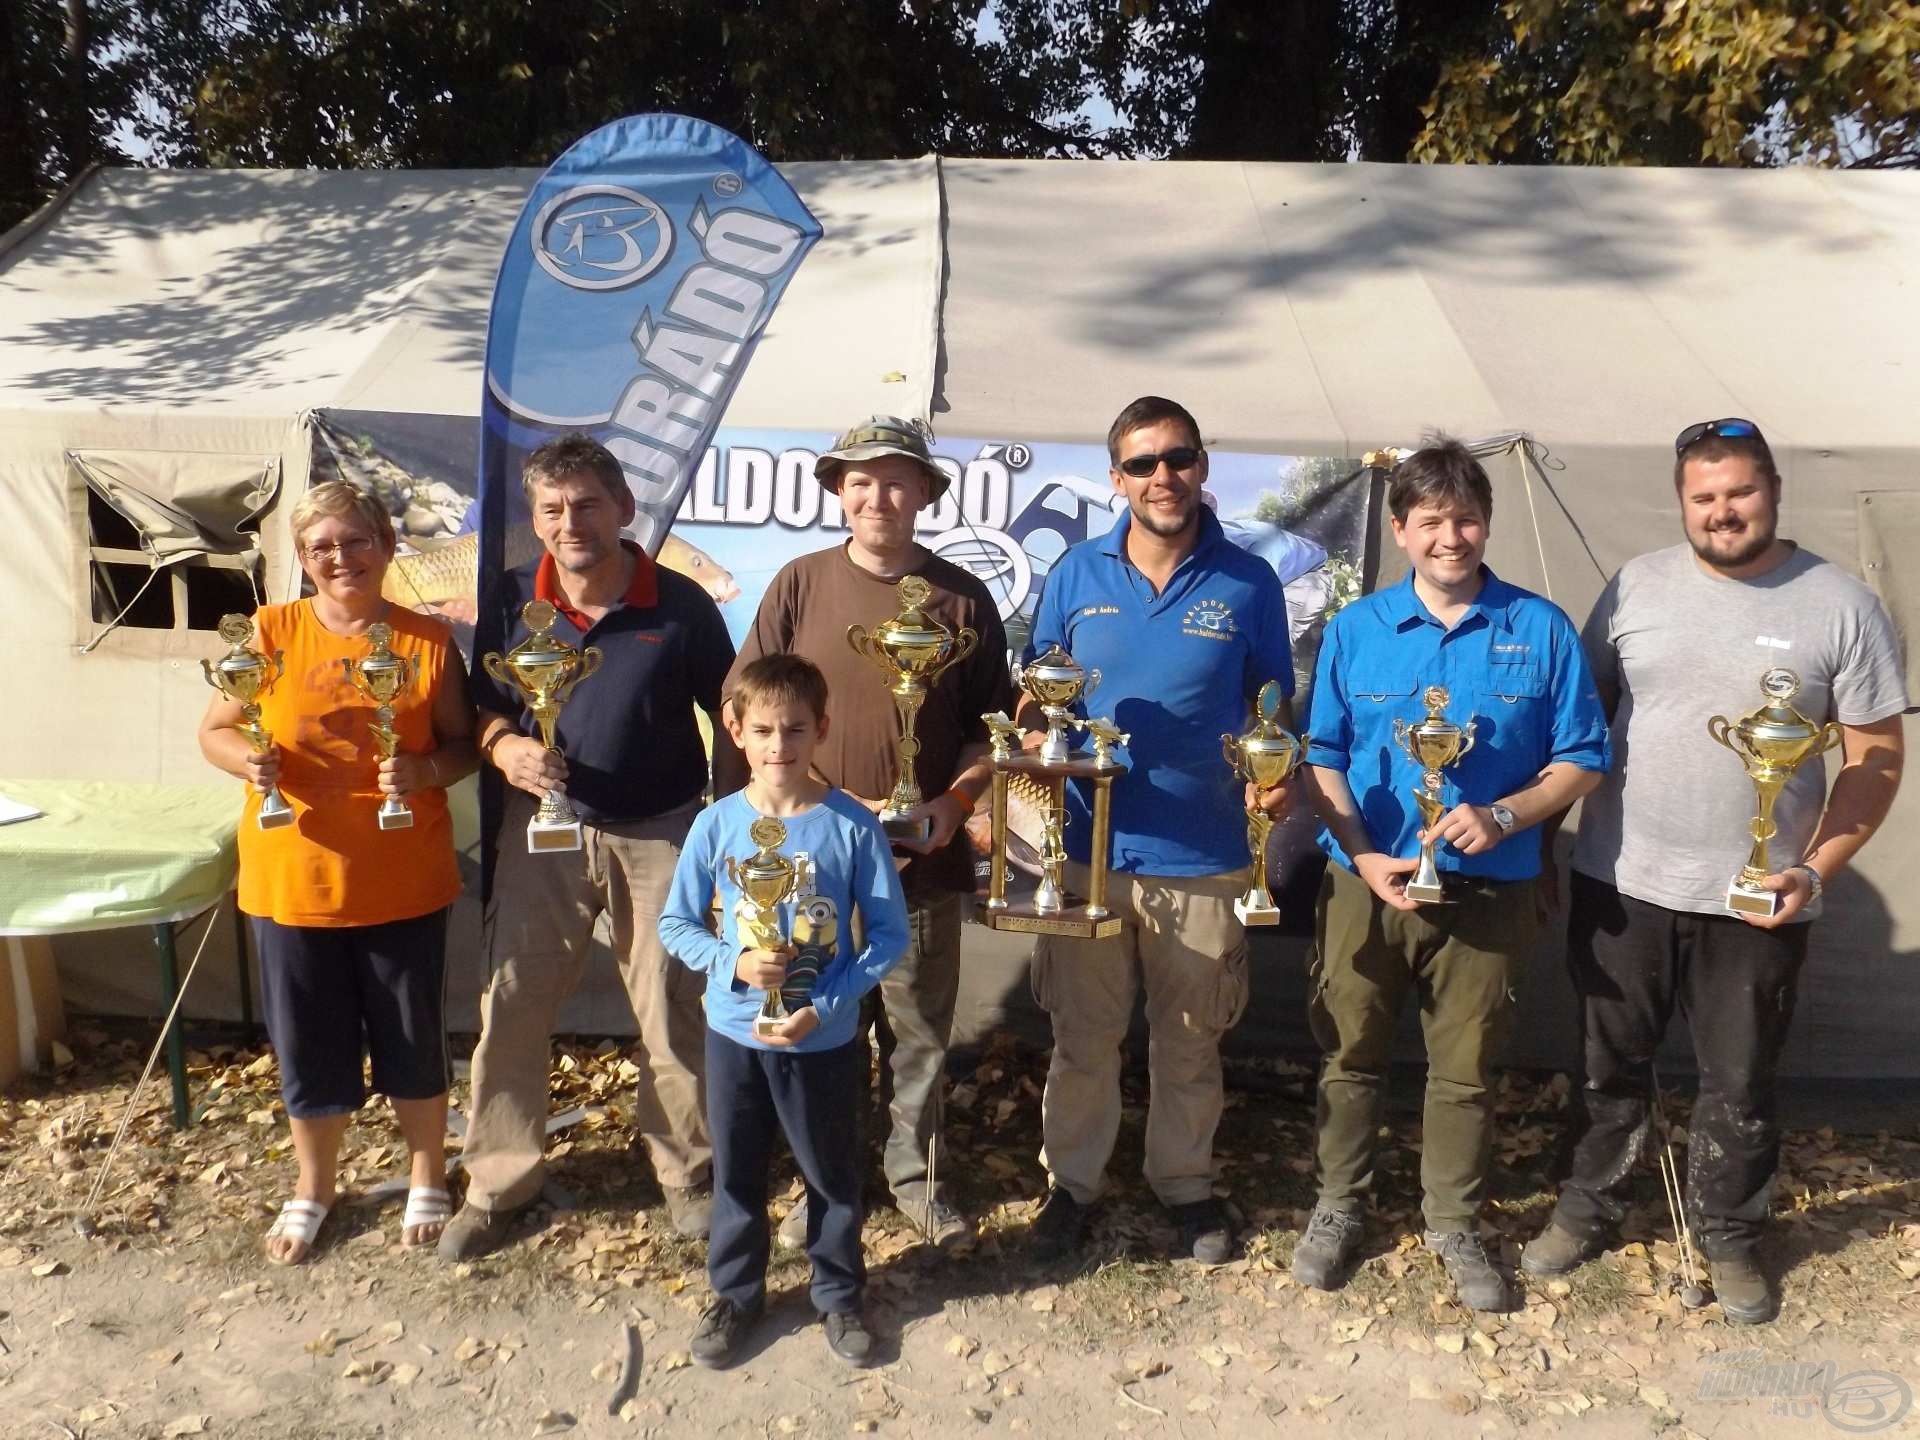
[[173, 338]]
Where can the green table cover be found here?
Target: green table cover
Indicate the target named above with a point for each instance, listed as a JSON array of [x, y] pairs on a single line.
[[108, 854]]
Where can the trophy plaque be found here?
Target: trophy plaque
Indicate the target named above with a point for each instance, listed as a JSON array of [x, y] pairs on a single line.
[[1265, 756], [243, 675], [767, 880], [1055, 681], [543, 672], [1772, 740], [382, 677], [1433, 744], [911, 649]]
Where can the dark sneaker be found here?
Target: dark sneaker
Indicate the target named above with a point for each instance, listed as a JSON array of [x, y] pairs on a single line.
[[1555, 1251], [716, 1339], [848, 1338], [1205, 1232], [792, 1231], [475, 1232], [1743, 1292], [1059, 1229], [944, 1227], [690, 1208], [1320, 1256], [1476, 1283]]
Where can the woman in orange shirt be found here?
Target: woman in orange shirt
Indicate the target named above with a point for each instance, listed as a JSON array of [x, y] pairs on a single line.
[[349, 920]]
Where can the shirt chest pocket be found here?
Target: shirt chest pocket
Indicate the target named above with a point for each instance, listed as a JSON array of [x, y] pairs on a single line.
[[1515, 683], [1373, 691]]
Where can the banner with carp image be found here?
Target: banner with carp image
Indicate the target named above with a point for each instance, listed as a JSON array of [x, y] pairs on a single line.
[[753, 504]]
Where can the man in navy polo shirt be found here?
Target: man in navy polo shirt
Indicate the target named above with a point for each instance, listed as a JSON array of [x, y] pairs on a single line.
[[1511, 664], [1184, 627], [634, 769]]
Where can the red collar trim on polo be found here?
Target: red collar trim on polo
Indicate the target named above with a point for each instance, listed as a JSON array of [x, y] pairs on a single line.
[[642, 591]]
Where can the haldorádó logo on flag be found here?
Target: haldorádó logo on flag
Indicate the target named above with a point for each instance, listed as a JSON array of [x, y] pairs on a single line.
[[642, 270]]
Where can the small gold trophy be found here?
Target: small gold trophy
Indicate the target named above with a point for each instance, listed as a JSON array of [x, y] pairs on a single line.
[[543, 671], [1266, 755], [382, 677], [1433, 744], [911, 649], [243, 674], [1772, 740], [768, 880], [1055, 681]]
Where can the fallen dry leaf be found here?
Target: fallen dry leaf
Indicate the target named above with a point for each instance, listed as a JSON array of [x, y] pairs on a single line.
[[676, 1360], [405, 1374], [995, 1363], [552, 1422], [961, 1347], [187, 1425], [1345, 1332], [1214, 1356], [50, 1268]]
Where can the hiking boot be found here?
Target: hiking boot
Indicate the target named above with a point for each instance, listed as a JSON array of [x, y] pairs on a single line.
[[1320, 1256], [1476, 1283], [1205, 1232], [1059, 1229], [792, 1233], [475, 1232], [1557, 1251], [943, 1228], [1743, 1292], [716, 1339], [690, 1207], [848, 1338]]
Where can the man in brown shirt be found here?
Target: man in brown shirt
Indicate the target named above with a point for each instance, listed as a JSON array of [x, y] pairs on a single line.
[[884, 477]]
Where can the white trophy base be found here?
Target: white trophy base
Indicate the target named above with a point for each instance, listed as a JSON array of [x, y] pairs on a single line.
[[1256, 914], [396, 819], [1743, 901], [897, 826], [275, 819], [552, 835]]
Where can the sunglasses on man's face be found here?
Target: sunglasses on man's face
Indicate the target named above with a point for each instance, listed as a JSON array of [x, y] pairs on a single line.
[[1730, 429], [1142, 466]]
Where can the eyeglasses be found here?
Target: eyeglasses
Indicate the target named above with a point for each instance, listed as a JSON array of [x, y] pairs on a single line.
[[1141, 466], [1730, 429], [345, 550]]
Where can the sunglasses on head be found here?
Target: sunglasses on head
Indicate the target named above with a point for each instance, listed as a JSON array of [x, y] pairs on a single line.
[[1141, 466], [1730, 429]]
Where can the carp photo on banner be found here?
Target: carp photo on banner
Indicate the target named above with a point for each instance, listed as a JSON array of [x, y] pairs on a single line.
[[1013, 509]]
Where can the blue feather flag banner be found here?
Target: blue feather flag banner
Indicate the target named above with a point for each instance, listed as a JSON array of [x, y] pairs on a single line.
[[642, 270]]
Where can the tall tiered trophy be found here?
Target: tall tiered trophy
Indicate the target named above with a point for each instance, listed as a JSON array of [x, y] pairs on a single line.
[[911, 649], [543, 671], [1055, 681], [768, 880], [1772, 740], [243, 675], [1433, 744], [1265, 756], [382, 677]]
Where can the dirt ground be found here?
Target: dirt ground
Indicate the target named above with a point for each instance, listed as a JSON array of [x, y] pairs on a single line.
[[169, 1321]]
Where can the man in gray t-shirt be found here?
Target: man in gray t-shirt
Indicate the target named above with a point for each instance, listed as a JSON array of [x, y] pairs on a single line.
[[1680, 635]]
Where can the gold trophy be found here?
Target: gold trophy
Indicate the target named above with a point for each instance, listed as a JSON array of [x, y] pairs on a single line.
[[1266, 755], [382, 677], [243, 674], [543, 671], [1433, 744], [768, 880], [911, 649], [1772, 740], [1055, 681]]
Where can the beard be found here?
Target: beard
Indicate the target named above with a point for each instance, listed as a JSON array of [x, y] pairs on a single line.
[[1147, 520], [1732, 549]]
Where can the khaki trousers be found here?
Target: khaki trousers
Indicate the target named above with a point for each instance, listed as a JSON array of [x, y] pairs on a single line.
[[913, 1010], [1179, 939], [539, 927], [1463, 961]]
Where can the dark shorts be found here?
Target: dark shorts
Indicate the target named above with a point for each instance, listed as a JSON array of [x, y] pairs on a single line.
[[333, 997]]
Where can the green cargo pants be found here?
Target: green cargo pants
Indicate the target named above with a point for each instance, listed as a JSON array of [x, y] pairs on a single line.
[[1464, 960]]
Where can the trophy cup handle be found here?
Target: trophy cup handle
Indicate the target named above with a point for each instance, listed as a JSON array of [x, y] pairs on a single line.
[[964, 644], [589, 662], [1230, 752], [279, 665], [1092, 683], [860, 641], [409, 671], [1470, 738], [1717, 727], [1830, 736], [496, 666]]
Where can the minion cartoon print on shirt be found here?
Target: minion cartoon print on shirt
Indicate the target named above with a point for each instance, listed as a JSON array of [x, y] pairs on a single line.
[[816, 940]]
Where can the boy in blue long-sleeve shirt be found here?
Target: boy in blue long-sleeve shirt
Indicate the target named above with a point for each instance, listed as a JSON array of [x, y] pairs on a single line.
[[801, 1076]]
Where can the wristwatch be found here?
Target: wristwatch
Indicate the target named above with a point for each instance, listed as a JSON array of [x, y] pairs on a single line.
[[1502, 817], [1813, 879]]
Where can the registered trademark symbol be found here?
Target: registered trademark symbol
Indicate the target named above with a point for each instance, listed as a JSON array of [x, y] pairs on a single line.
[[726, 183], [1018, 456]]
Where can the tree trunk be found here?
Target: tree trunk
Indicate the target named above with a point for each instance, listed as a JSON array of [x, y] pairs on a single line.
[[77, 147], [1270, 88]]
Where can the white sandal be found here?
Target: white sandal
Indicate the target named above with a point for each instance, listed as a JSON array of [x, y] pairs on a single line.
[[426, 1205], [299, 1221]]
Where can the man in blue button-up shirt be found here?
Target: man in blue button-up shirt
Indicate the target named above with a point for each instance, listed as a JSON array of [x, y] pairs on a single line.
[[1511, 664], [1184, 627]]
